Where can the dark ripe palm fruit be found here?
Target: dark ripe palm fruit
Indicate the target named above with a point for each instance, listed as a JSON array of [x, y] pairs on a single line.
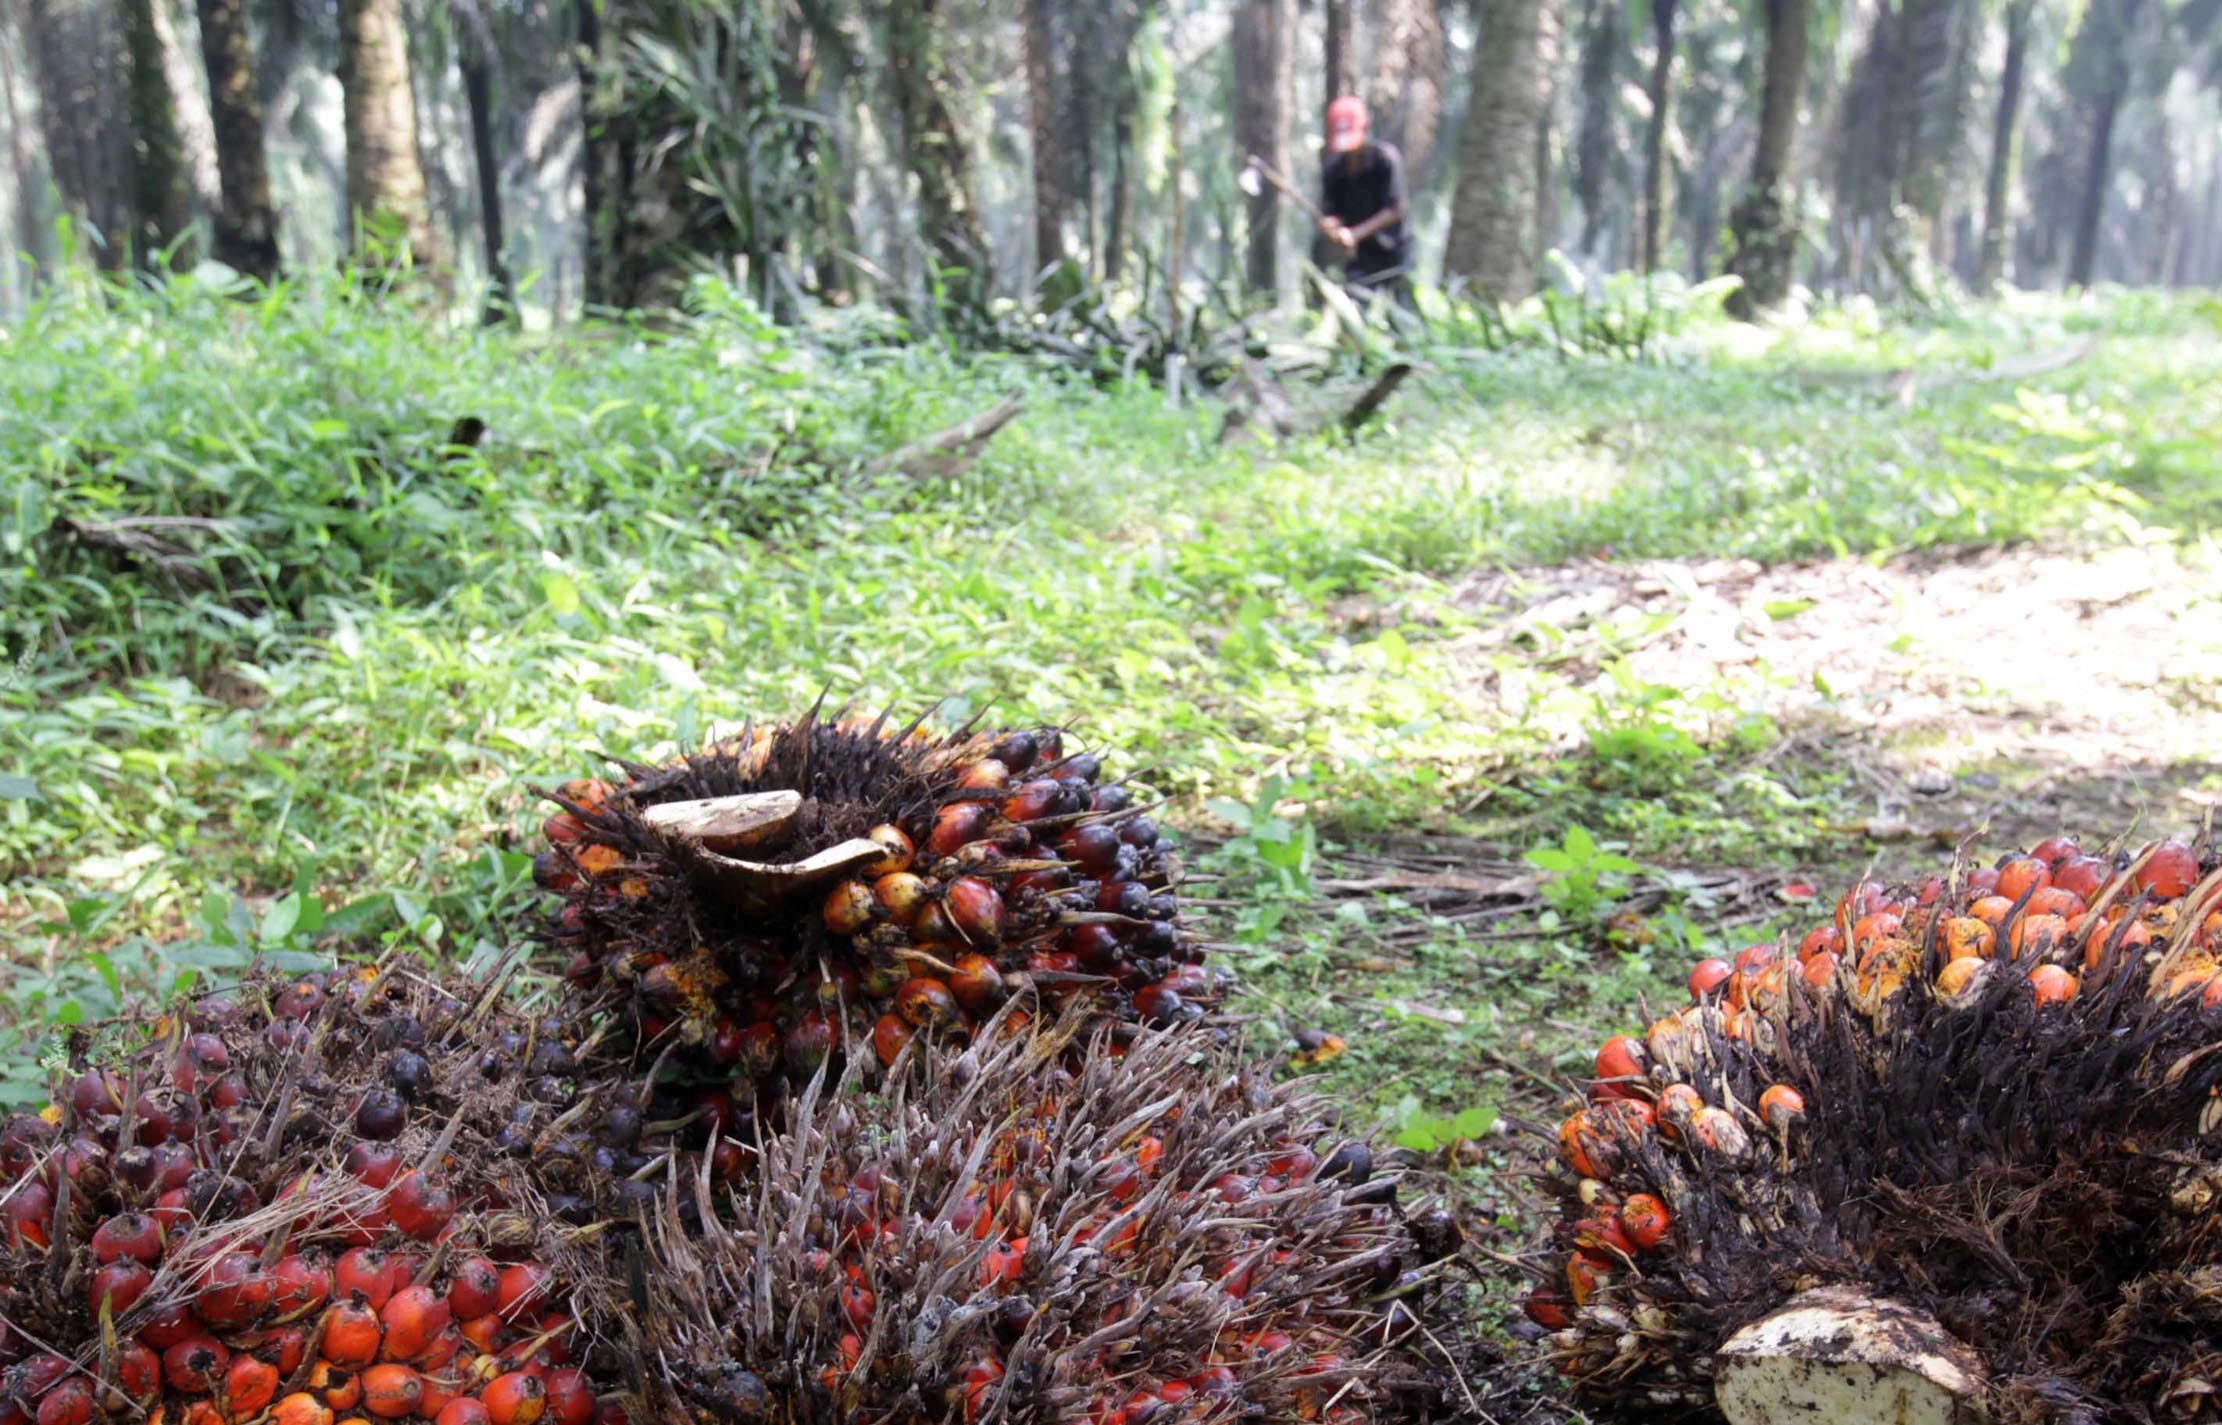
[[833, 867], [268, 1260], [981, 1269], [1787, 1201]]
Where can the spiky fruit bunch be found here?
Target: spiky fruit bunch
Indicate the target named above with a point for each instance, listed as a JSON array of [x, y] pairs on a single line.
[[1953, 1152], [1011, 1233], [802, 889], [287, 1205]]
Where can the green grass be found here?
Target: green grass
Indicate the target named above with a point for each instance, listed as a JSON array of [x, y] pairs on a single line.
[[670, 530]]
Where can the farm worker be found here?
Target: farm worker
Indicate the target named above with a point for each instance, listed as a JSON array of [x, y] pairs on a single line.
[[1364, 205]]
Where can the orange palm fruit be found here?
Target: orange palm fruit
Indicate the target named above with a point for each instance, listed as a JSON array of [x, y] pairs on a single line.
[[1957, 975], [2052, 985], [516, 1399], [392, 1391], [1644, 1218]]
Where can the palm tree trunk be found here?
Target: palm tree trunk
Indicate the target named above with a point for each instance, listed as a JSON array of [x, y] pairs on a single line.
[[246, 222], [1406, 92], [1051, 202], [1990, 264], [386, 194], [1765, 220], [934, 147], [1594, 154], [1661, 91], [71, 48], [478, 93], [593, 184], [2097, 179], [1341, 60], [1260, 122], [161, 205], [1495, 209]]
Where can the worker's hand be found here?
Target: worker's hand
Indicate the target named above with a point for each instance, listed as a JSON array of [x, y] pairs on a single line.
[[1338, 233]]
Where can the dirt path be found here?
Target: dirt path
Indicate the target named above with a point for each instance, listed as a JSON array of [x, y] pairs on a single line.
[[2023, 687]]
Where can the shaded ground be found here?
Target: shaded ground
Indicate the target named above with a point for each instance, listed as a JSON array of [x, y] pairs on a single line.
[[2022, 688]]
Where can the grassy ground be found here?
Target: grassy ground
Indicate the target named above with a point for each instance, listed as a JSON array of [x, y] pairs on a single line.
[[1376, 675]]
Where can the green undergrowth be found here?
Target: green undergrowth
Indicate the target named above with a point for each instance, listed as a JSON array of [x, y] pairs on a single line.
[[286, 649]]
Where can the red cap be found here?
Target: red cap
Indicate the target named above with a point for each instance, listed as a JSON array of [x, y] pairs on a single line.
[[1346, 124]]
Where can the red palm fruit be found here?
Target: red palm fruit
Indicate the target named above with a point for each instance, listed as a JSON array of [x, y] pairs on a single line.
[[807, 1044], [1004, 1263], [563, 829], [977, 985], [1706, 976], [1620, 1057], [415, 1316], [1549, 1308], [1644, 1218], [849, 908], [1603, 1240], [975, 908], [957, 824], [440, 1390], [474, 1288], [1781, 1105], [464, 1411], [2054, 849], [2083, 875], [96, 1095], [1678, 1107], [889, 1034], [299, 1000], [525, 1288], [1991, 910], [903, 894], [364, 1274], [2052, 900], [2021, 874], [286, 1349], [1095, 947], [985, 775], [70, 1403], [340, 1387], [374, 1164], [128, 1234], [1587, 1143], [351, 1334], [2037, 934], [570, 1397], [1033, 800], [857, 1304], [420, 1207], [484, 1333], [391, 1392], [928, 1004], [1821, 940], [28, 1214], [2052, 985], [301, 1408], [238, 1293], [249, 1386], [299, 1284], [1873, 929], [139, 1371], [1958, 975], [170, 1326], [1820, 971], [117, 1287], [515, 1399], [896, 850], [1964, 937], [195, 1365], [2171, 869], [980, 1380]]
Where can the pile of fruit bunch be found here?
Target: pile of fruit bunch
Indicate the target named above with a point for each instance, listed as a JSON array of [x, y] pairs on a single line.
[[292, 1204], [1952, 1156], [1006, 1231], [804, 889]]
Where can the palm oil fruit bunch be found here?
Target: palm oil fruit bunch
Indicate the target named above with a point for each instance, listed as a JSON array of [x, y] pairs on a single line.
[[1005, 1231], [1955, 1155], [286, 1206], [841, 887]]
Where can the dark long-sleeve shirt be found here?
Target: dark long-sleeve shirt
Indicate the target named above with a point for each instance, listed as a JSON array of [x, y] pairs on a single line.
[[1354, 188]]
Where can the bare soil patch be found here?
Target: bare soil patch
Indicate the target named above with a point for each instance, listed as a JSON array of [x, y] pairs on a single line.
[[2018, 688]]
